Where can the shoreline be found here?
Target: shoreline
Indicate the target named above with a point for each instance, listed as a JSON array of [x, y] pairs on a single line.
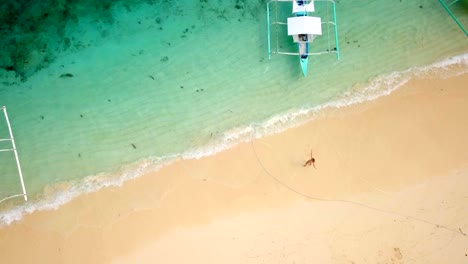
[[192, 194], [61, 193]]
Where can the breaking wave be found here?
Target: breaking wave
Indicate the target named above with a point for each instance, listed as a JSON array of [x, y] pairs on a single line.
[[380, 86]]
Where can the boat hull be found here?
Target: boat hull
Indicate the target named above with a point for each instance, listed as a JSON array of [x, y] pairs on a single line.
[[304, 63], [304, 57]]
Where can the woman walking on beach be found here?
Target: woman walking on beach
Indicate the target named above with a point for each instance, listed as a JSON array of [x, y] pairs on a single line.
[[311, 161]]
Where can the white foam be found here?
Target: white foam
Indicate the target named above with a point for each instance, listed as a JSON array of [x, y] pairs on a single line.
[[63, 194], [378, 87]]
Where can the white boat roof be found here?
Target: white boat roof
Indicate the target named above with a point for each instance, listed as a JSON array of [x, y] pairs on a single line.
[[303, 8], [304, 25]]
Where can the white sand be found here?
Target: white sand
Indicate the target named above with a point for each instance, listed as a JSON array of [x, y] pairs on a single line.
[[403, 157]]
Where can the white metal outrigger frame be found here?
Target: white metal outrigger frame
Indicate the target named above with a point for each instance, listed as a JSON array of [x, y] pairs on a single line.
[[276, 22], [12, 140]]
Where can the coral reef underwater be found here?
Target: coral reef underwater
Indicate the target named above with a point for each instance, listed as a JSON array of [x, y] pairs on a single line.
[[35, 32]]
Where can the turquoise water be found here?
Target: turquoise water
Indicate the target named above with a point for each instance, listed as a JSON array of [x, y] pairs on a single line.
[[161, 80]]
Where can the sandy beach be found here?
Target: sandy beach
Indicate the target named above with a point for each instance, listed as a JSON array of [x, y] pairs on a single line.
[[389, 187]]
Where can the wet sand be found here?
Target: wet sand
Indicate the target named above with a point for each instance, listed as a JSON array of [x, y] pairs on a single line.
[[389, 187]]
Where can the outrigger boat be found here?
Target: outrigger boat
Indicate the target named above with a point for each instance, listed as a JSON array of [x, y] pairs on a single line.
[[303, 28]]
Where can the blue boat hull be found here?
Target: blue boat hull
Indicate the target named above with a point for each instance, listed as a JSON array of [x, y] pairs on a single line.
[[304, 50], [304, 62], [304, 58]]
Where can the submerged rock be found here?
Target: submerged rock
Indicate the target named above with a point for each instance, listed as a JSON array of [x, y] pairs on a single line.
[[66, 75]]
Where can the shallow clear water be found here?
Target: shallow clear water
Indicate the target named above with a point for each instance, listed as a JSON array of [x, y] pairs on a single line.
[[166, 78]]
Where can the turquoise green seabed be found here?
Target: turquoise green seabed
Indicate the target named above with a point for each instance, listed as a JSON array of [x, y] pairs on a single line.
[[162, 80]]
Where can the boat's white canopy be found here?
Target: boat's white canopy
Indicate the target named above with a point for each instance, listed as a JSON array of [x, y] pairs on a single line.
[[303, 8], [304, 25]]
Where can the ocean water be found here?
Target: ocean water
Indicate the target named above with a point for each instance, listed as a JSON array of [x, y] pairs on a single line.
[[101, 98]]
